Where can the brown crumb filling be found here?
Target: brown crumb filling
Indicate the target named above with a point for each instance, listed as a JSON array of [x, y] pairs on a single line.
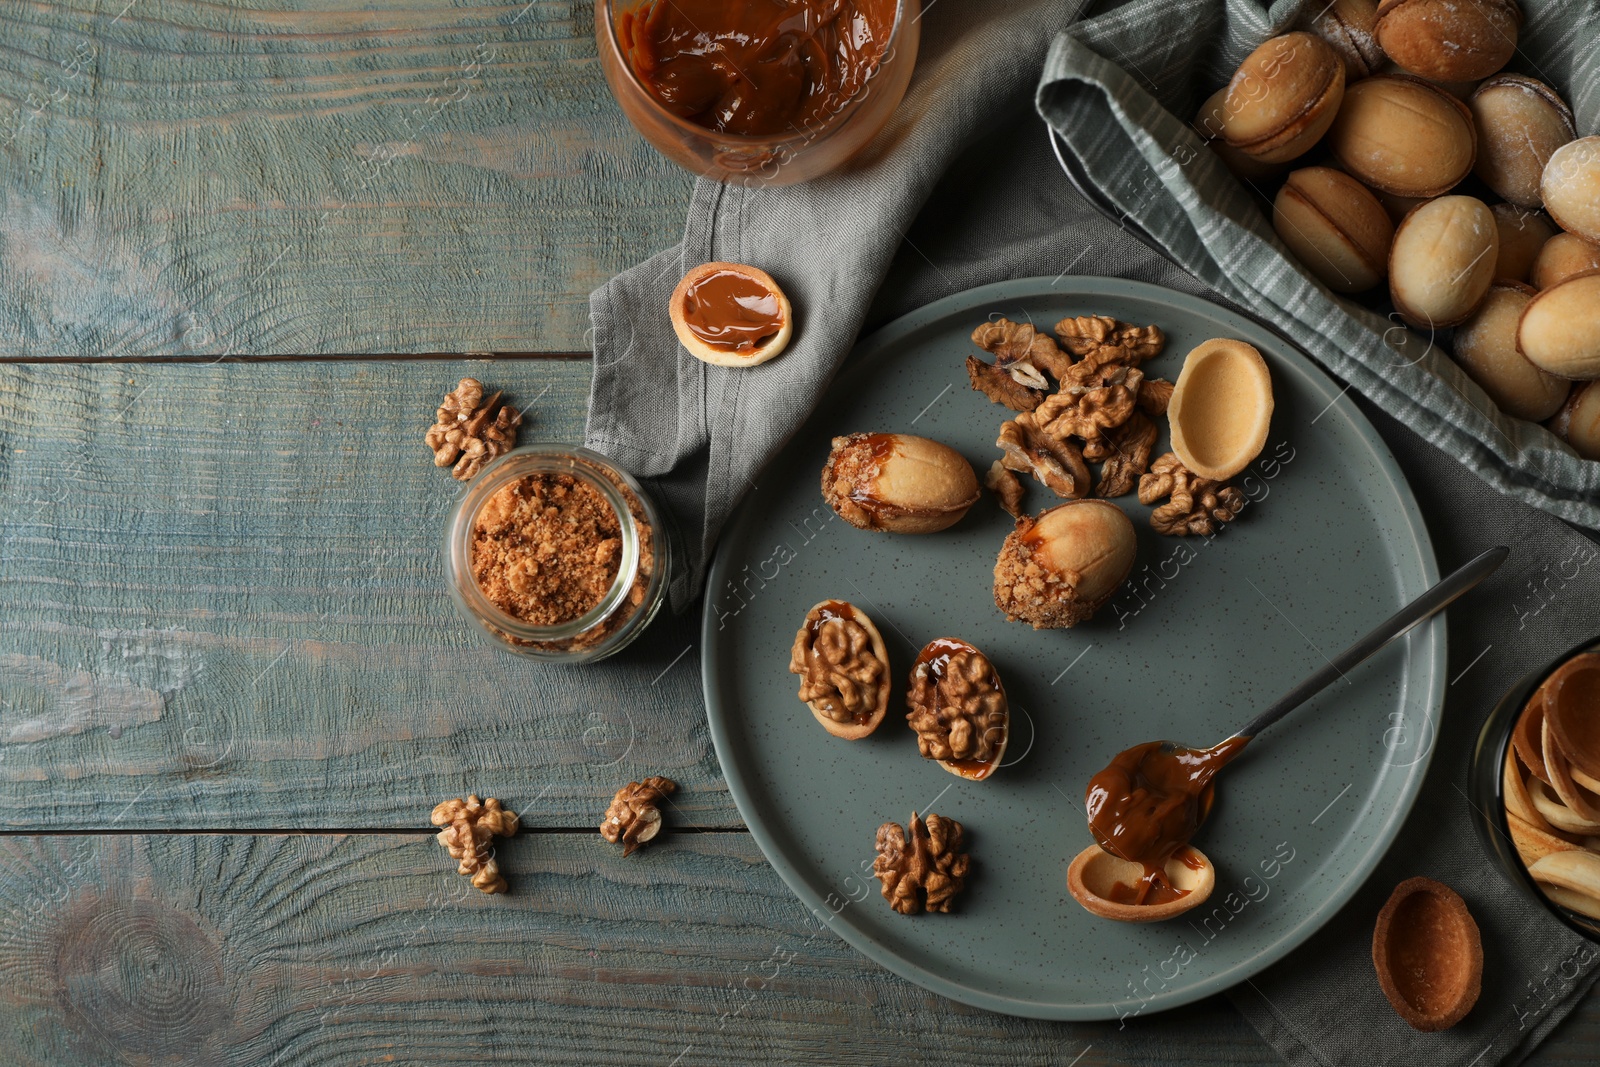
[[546, 548]]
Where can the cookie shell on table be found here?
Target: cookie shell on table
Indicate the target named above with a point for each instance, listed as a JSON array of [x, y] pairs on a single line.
[[1521, 123], [1403, 135], [1221, 408], [1560, 328], [1335, 227], [1094, 873], [1283, 97], [1563, 255], [1428, 954], [1578, 421], [769, 349], [1442, 262], [1449, 40], [1486, 348]]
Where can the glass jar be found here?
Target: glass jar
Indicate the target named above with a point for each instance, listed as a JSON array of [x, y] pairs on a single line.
[[629, 602], [796, 155], [1486, 790]]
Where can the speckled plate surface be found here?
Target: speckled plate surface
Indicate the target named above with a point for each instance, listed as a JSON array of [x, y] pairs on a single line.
[[1206, 633]]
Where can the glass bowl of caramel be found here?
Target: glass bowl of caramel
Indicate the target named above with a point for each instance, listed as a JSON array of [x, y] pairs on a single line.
[[1534, 784], [555, 552], [762, 92]]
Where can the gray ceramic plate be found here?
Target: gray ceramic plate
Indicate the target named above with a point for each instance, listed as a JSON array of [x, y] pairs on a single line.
[[1207, 633]]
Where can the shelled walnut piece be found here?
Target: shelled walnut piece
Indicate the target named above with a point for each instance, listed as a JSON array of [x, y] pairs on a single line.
[[1055, 461], [1006, 487], [924, 871], [1001, 387], [1089, 417], [1196, 504], [634, 817], [469, 827], [469, 431], [1022, 352]]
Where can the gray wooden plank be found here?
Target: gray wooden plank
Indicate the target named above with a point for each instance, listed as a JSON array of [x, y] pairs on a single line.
[[320, 176], [222, 606], [298, 950]]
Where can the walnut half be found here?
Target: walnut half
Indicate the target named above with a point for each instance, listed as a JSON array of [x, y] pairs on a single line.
[[469, 826], [925, 870], [1197, 504], [469, 431], [958, 708], [634, 817], [843, 667]]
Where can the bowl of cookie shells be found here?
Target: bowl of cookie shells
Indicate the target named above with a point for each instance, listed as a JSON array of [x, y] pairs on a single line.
[[1535, 786]]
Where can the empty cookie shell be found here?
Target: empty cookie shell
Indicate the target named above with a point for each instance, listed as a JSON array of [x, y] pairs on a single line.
[[1428, 954], [1221, 408], [1570, 878], [843, 667], [731, 315], [1571, 697], [1105, 884]]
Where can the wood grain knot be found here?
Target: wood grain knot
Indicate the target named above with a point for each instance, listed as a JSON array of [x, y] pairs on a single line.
[[141, 978]]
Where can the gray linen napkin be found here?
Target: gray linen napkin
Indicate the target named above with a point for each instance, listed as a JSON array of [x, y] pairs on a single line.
[[993, 205], [1120, 88]]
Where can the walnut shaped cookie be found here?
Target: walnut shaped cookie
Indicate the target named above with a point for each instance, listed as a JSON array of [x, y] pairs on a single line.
[[843, 667], [1058, 569]]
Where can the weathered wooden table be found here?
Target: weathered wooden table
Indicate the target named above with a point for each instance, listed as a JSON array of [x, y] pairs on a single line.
[[243, 252]]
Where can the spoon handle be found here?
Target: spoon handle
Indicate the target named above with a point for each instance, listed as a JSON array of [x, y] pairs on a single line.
[[1425, 606]]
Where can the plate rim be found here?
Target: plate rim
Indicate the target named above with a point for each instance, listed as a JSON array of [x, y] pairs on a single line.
[[1435, 631]]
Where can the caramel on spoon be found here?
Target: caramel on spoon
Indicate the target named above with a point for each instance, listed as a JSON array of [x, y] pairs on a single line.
[[1149, 801]]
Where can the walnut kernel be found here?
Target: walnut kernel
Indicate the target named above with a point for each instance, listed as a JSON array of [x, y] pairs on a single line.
[[469, 827], [1056, 462], [469, 431], [634, 817], [1197, 504], [926, 871]]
